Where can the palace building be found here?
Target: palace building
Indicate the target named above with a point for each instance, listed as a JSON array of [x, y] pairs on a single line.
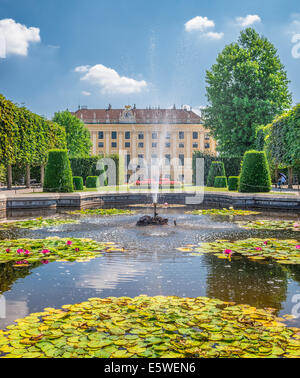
[[149, 134]]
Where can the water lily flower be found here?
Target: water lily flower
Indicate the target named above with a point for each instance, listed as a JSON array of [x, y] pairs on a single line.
[[69, 242], [8, 250], [296, 225], [45, 262], [26, 252], [45, 251], [76, 249], [228, 251], [265, 242], [20, 250], [258, 249], [298, 246]]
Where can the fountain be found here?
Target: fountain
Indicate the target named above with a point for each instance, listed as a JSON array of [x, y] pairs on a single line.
[[147, 220]]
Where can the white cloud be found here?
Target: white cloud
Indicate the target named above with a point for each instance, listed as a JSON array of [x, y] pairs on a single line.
[[213, 35], [109, 81], [199, 23], [248, 20], [15, 38], [85, 93]]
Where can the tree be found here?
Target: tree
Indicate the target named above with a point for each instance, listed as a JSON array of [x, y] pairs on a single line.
[[58, 174], [255, 173], [247, 87], [78, 136], [282, 141]]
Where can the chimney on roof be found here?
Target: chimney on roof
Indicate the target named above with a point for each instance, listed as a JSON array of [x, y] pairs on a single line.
[[174, 107]]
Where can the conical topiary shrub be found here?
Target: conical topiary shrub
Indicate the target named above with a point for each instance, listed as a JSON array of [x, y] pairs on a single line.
[[255, 175], [58, 173], [216, 169]]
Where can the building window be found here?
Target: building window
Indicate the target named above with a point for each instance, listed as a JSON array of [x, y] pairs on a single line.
[[207, 145], [167, 159], [114, 145], [195, 135], [113, 135], [141, 136], [100, 144], [206, 136], [127, 144], [181, 178], [127, 160], [181, 145], [127, 134], [141, 145], [195, 145], [154, 145], [141, 160], [100, 135], [181, 134], [168, 135], [168, 145], [181, 159], [154, 135]]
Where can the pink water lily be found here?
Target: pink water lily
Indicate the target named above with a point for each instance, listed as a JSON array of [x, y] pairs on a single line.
[[45, 262], [258, 249], [265, 242], [76, 249], [69, 242], [298, 246], [8, 250], [228, 251], [45, 251], [20, 250], [296, 225], [26, 252]]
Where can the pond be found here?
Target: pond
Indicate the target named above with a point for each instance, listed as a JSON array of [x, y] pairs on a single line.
[[151, 265]]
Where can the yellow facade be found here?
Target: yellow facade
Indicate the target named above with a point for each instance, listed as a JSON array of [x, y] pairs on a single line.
[[153, 140]]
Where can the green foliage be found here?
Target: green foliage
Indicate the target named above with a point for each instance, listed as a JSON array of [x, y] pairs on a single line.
[[58, 173], [255, 174], [150, 327], [36, 223], [92, 182], [232, 164], [87, 166], [220, 182], [246, 87], [79, 142], [102, 212], [233, 182], [78, 183], [282, 140], [25, 137], [216, 169]]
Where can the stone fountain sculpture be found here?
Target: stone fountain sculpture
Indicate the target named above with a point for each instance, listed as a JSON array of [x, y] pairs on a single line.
[[147, 220]]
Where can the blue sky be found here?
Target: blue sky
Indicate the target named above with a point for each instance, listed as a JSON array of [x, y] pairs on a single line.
[[59, 54]]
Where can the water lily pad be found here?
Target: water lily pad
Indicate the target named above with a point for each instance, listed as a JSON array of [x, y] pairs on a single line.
[[36, 223], [147, 327]]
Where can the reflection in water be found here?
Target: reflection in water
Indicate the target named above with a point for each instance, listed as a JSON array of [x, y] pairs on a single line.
[[151, 265]]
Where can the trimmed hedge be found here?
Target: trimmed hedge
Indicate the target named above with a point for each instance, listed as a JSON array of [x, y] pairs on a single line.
[[92, 182], [216, 169], [255, 175], [220, 182], [87, 166], [78, 183], [58, 173], [233, 182], [232, 164]]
